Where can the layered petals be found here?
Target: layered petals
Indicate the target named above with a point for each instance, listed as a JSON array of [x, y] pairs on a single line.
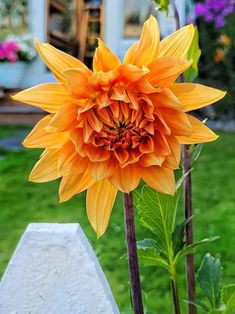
[[74, 183], [100, 199], [200, 133], [194, 96], [57, 61], [126, 179], [146, 49], [46, 169], [77, 83], [104, 59], [111, 127], [49, 97], [164, 71], [40, 138], [160, 179], [177, 44]]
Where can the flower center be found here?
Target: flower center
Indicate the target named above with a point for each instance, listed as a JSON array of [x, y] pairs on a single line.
[[122, 129]]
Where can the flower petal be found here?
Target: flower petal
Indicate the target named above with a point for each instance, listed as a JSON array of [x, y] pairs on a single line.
[[64, 119], [165, 99], [100, 199], [173, 160], [40, 138], [146, 49], [159, 178], [77, 82], [176, 120], [103, 169], [126, 179], [49, 96], [56, 60], [151, 159], [200, 133], [195, 96], [67, 157], [104, 59], [177, 44], [132, 73], [74, 183], [164, 71], [46, 169]]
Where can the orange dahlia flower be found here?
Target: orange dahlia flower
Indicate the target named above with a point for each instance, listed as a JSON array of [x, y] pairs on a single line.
[[110, 127]]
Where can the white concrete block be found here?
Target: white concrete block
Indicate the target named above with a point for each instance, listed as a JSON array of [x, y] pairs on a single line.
[[55, 271]]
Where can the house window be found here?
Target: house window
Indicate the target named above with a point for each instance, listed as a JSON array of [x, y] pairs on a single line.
[[136, 13], [13, 17]]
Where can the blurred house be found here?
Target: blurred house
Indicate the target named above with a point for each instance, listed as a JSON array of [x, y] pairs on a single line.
[[74, 25]]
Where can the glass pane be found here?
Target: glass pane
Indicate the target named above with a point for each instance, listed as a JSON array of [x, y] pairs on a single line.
[[135, 13]]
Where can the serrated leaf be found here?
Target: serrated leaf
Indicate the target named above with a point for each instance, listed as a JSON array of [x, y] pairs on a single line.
[[199, 304], [150, 257], [162, 5], [194, 54], [209, 279], [157, 212], [191, 248], [228, 298]]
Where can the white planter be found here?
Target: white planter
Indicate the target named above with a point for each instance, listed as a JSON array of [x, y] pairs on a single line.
[[11, 74]]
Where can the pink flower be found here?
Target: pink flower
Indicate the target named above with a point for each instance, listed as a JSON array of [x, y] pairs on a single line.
[[9, 50]]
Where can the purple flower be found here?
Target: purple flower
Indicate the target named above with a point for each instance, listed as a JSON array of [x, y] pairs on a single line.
[[219, 22], [200, 9], [215, 10]]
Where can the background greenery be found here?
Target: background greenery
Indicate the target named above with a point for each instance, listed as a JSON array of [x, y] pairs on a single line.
[[22, 202], [218, 74]]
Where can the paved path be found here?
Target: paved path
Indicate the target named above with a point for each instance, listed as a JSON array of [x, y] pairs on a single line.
[[13, 143]]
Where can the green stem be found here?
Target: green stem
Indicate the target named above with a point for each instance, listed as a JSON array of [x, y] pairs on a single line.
[[174, 289], [175, 296]]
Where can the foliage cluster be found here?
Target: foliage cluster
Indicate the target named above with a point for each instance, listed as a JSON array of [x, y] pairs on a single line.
[[217, 63]]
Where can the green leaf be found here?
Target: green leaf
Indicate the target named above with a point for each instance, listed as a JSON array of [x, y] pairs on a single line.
[[228, 298], [194, 54], [181, 179], [209, 279], [190, 249], [162, 5], [196, 152], [178, 237], [150, 257], [200, 305], [157, 212], [148, 244]]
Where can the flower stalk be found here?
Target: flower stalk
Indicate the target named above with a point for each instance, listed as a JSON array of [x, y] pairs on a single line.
[[190, 267], [136, 295], [174, 289], [175, 296]]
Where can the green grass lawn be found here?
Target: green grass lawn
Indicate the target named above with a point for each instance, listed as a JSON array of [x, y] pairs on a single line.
[[22, 202]]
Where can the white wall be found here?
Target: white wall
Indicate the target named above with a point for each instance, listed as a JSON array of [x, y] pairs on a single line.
[[114, 22], [36, 72], [113, 33]]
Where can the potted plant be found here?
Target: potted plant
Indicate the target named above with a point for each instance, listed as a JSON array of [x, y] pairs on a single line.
[[15, 53]]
